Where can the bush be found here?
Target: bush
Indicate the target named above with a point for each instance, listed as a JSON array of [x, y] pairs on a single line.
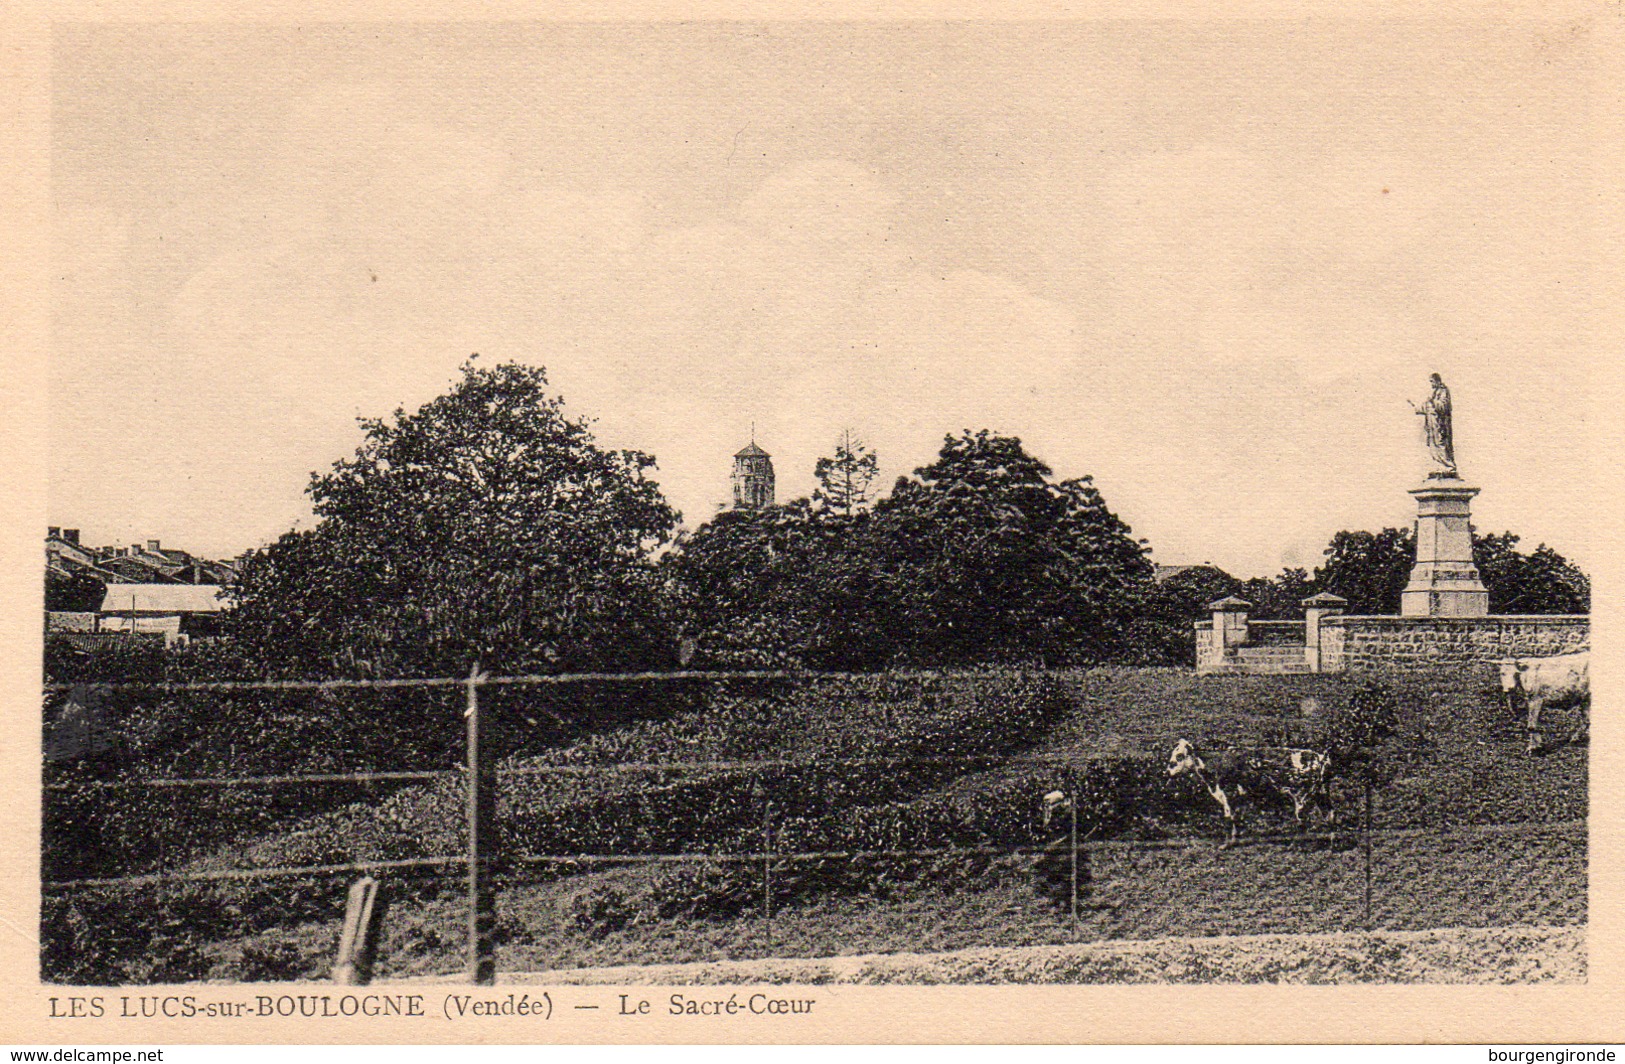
[[103, 657], [1366, 740]]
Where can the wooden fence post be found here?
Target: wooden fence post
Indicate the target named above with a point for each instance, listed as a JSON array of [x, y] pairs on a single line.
[[482, 842], [363, 925]]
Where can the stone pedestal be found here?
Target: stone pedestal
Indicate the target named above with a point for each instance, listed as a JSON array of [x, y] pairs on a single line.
[[1444, 582]]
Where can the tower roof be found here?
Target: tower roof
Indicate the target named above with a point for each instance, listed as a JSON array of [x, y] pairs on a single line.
[[750, 450]]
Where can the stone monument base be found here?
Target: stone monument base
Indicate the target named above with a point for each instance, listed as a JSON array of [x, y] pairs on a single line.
[[1444, 582], [1444, 593]]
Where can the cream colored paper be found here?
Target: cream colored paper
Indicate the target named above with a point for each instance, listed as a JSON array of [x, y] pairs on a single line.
[[1060, 221]]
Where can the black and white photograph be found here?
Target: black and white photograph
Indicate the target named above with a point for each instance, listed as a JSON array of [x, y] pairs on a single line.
[[750, 506]]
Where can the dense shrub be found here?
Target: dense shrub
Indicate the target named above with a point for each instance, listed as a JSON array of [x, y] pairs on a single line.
[[103, 657]]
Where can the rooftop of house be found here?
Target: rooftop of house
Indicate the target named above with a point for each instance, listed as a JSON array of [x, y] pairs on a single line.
[[139, 568], [70, 566], [163, 598], [145, 562]]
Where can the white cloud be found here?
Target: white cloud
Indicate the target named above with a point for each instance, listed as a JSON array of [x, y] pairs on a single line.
[[1166, 260], [821, 200], [801, 312]]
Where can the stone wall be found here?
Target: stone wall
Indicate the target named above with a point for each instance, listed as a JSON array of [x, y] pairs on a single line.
[[62, 621], [1356, 643]]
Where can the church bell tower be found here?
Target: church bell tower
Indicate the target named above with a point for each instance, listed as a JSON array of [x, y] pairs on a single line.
[[753, 477]]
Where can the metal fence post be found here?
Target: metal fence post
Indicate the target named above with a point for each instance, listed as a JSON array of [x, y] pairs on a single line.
[[767, 861], [482, 780], [1074, 843], [1366, 845]]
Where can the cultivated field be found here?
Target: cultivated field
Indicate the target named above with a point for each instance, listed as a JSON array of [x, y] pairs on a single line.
[[1467, 832]]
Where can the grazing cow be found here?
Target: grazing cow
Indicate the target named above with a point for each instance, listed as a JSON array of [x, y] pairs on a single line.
[[1563, 679], [1269, 773]]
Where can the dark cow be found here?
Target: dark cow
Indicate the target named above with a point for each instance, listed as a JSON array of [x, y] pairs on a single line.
[[1234, 777], [1563, 679]]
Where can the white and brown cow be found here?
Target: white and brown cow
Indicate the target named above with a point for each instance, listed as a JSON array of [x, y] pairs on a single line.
[[1234, 777], [1563, 679]]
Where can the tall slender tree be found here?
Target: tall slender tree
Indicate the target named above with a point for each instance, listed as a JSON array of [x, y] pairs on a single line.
[[844, 480]]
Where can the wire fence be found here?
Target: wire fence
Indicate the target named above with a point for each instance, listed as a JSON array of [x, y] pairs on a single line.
[[937, 830]]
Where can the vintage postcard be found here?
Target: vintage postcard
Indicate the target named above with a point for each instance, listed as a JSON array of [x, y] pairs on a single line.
[[749, 525]]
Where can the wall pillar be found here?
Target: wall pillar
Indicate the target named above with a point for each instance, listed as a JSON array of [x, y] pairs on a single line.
[[1229, 625], [1316, 607]]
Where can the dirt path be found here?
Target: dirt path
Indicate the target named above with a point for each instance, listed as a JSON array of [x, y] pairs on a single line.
[[1447, 955]]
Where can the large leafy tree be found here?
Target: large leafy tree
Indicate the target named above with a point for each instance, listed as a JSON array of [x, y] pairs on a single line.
[[1370, 569], [762, 588], [985, 557], [1541, 582], [981, 557], [486, 526], [1163, 630]]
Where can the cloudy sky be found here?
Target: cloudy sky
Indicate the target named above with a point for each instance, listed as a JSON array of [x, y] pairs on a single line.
[[1207, 265]]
